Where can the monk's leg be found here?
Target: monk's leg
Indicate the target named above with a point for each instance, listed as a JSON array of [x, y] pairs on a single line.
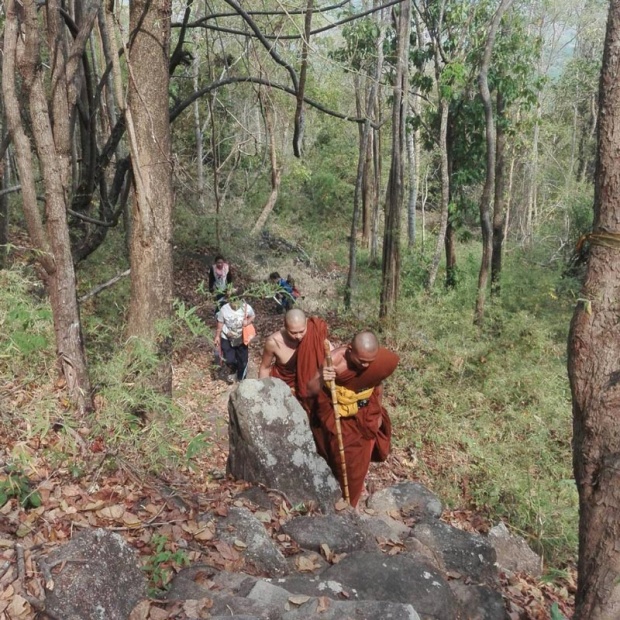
[[357, 453]]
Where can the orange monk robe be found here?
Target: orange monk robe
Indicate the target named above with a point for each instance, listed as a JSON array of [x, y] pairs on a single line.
[[311, 352], [367, 435]]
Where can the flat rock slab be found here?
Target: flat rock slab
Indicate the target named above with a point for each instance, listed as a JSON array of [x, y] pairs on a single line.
[[469, 555], [398, 578], [384, 526], [479, 602], [260, 550], [513, 553], [99, 578], [409, 498], [357, 610], [342, 533]]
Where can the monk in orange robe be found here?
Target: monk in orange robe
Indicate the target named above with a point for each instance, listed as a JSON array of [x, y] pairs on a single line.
[[359, 370], [295, 354]]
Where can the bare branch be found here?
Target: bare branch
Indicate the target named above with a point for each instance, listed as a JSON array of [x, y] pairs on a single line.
[[174, 113]]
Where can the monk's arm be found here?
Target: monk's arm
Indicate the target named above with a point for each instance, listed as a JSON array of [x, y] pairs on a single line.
[[264, 370]]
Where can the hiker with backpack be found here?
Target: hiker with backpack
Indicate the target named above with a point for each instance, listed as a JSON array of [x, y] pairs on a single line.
[[286, 293]]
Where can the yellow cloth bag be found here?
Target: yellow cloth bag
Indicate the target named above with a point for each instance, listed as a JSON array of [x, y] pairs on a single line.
[[348, 399]]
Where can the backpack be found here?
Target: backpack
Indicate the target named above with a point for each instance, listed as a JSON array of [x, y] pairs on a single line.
[[294, 290]]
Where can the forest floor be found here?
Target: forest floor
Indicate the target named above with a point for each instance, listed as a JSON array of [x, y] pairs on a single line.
[[160, 513]]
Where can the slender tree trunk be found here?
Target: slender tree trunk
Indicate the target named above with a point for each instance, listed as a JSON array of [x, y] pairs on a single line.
[[348, 291], [594, 350], [499, 203], [450, 248], [149, 127], [445, 193], [362, 166], [200, 168], [533, 179], [276, 173], [413, 186], [390, 280], [378, 172], [489, 184]]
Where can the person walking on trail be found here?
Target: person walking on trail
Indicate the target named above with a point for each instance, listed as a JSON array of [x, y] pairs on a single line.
[[286, 294], [359, 370], [295, 354], [231, 318], [220, 278]]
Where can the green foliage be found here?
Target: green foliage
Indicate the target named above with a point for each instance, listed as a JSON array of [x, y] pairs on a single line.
[[135, 418], [487, 412], [15, 483], [556, 614], [186, 317], [26, 337], [160, 565]]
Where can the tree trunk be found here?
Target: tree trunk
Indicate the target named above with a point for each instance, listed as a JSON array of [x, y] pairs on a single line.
[[413, 186], [198, 135], [276, 173], [533, 179], [149, 130], [499, 203], [489, 184], [53, 149], [594, 350], [348, 291], [444, 106], [450, 247], [390, 275]]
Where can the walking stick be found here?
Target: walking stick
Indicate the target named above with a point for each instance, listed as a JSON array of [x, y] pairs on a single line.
[[332, 388]]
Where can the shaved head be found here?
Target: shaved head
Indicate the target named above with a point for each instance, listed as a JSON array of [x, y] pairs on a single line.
[[295, 325], [365, 343], [294, 317]]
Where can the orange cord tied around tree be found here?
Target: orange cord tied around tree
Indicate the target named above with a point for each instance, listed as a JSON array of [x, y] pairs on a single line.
[[332, 388], [603, 238]]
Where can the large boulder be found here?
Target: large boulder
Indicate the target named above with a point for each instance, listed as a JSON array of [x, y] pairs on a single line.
[[271, 443], [99, 577]]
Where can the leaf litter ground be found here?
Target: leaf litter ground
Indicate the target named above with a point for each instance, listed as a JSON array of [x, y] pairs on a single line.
[[150, 511]]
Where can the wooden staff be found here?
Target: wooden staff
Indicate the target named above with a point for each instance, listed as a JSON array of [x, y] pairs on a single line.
[[332, 388]]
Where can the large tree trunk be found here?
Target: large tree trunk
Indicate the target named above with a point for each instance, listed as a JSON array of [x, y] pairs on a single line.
[[53, 148], [594, 351], [149, 132], [390, 280]]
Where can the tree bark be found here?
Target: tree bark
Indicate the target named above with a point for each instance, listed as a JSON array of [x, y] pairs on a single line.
[[276, 173], [444, 106], [390, 274], [499, 202], [594, 351], [52, 141], [149, 130], [489, 184]]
